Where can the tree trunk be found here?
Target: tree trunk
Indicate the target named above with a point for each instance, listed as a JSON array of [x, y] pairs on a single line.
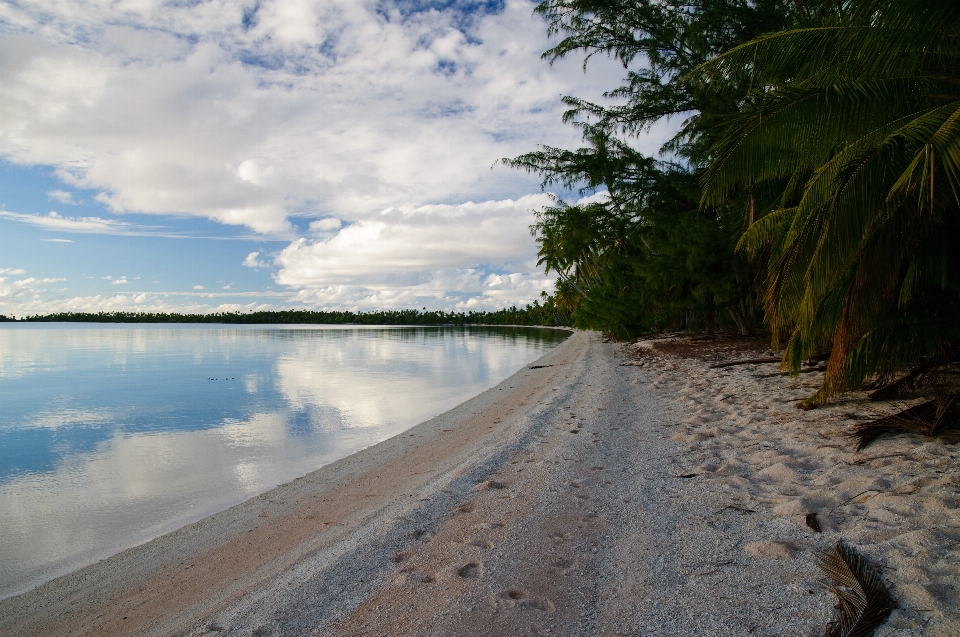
[[740, 320]]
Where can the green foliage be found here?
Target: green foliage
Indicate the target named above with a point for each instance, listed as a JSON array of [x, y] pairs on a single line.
[[649, 257], [536, 314], [851, 129]]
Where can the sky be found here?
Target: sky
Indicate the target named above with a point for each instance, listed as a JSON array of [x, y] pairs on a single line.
[[218, 155]]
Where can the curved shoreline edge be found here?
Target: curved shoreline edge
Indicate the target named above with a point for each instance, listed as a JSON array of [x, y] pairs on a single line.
[[604, 489], [20, 576], [53, 605]]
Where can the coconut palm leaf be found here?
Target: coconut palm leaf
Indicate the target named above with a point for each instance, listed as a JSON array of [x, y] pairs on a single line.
[[863, 599], [866, 107], [931, 419]]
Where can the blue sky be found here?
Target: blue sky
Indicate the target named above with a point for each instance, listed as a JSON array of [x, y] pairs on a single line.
[[230, 155]]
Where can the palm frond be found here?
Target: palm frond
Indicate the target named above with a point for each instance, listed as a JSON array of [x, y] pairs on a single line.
[[863, 599], [931, 419]]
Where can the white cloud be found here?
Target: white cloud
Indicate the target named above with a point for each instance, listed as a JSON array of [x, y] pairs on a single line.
[[409, 239], [30, 298], [54, 221], [326, 107], [252, 262], [597, 197], [62, 196], [17, 294], [198, 287], [121, 281], [331, 110], [325, 225], [477, 255], [58, 240]]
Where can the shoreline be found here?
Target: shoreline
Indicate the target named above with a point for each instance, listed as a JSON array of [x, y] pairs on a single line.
[[104, 581], [115, 495], [603, 489]]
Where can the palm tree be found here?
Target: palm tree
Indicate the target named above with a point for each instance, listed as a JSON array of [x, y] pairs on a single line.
[[848, 146]]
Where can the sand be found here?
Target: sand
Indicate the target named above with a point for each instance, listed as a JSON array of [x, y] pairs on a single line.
[[604, 490]]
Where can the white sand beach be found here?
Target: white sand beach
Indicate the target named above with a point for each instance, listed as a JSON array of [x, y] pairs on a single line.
[[606, 489]]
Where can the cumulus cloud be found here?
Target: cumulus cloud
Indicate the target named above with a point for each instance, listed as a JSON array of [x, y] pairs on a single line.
[[19, 293], [198, 287], [597, 197], [121, 281], [247, 114], [476, 255], [62, 196], [375, 119], [325, 225], [26, 297], [253, 262]]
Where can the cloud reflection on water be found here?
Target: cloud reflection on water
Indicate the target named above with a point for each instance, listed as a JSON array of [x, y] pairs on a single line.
[[114, 435]]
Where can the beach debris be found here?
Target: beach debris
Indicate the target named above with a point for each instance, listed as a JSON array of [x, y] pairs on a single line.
[[749, 361], [932, 419], [863, 599], [813, 522], [938, 374]]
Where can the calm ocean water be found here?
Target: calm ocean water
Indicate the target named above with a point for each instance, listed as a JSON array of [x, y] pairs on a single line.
[[111, 435]]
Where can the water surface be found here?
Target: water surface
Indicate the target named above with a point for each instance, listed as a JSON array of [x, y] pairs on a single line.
[[111, 435]]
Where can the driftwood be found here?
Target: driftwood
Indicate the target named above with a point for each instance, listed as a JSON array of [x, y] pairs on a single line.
[[750, 361], [906, 384], [802, 371]]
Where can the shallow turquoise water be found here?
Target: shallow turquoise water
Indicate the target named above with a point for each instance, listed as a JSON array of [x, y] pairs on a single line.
[[111, 435]]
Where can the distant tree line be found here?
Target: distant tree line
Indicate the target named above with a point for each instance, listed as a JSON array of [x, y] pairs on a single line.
[[534, 314]]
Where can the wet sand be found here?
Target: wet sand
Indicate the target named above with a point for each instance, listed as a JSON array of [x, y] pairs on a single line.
[[603, 490]]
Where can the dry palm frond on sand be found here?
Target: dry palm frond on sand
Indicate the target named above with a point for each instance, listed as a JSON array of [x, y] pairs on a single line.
[[864, 600], [932, 418]]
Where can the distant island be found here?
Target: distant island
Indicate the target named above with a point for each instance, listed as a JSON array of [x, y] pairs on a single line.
[[535, 314]]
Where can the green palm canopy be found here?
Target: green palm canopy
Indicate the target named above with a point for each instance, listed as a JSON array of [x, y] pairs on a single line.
[[847, 149]]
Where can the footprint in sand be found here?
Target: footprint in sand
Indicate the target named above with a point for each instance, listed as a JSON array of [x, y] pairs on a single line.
[[471, 570], [420, 534], [483, 544], [515, 598], [466, 507], [419, 577], [488, 526], [491, 484], [772, 549]]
